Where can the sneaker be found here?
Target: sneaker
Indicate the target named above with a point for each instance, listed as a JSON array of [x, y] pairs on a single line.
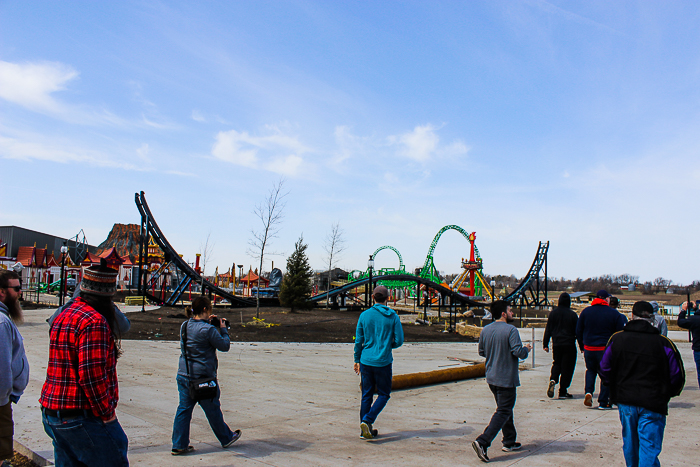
[[550, 389], [480, 451], [604, 407], [565, 395], [366, 431], [236, 437], [179, 452], [512, 447], [588, 401]]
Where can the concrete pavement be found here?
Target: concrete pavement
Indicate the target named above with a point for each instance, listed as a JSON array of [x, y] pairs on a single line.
[[298, 404]]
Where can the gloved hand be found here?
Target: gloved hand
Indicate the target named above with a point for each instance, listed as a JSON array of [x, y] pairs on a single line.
[[14, 398]]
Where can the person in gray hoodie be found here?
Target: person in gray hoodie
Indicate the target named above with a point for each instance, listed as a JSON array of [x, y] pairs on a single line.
[[500, 343], [659, 321], [14, 367]]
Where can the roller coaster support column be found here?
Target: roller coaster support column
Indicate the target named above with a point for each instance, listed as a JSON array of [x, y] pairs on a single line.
[[368, 295]]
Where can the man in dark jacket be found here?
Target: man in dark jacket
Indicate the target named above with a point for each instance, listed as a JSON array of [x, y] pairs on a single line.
[[596, 324], [561, 328], [643, 370], [692, 324]]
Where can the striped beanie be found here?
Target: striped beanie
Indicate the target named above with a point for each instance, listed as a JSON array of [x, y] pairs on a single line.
[[99, 280]]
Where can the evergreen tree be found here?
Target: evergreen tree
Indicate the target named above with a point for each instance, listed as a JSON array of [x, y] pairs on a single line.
[[296, 285]]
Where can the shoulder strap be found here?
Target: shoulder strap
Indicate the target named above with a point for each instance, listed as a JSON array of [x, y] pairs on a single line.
[[184, 346]]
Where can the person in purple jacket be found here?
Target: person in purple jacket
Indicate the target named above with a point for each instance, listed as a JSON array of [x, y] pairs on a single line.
[[595, 325], [644, 370]]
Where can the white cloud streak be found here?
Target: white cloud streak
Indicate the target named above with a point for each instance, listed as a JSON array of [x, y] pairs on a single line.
[[31, 85], [276, 152]]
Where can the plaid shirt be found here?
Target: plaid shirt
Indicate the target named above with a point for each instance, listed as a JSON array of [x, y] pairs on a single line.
[[82, 371]]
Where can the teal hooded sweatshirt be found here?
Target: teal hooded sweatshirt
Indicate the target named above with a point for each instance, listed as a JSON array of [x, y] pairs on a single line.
[[378, 332]]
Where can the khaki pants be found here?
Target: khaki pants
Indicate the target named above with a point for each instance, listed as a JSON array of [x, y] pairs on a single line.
[[7, 429]]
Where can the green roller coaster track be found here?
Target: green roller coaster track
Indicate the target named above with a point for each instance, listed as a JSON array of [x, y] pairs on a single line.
[[429, 271], [389, 247]]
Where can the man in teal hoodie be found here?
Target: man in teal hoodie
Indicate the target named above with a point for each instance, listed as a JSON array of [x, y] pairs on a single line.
[[378, 332]]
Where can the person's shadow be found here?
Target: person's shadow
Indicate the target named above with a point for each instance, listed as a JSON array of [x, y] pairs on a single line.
[[428, 432]]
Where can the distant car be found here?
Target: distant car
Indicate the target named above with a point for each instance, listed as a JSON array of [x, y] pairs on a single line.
[[70, 283]]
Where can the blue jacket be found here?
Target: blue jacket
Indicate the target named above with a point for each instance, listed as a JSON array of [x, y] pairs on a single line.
[[378, 332], [596, 324], [203, 340]]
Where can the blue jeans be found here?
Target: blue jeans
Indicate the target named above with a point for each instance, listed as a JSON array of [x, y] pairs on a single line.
[[86, 440], [593, 358], [696, 355], [379, 376], [642, 435], [502, 419], [212, 409]]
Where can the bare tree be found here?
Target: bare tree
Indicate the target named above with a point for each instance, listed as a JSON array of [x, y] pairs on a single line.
[[205, 251], [270, 212], [334, 246]]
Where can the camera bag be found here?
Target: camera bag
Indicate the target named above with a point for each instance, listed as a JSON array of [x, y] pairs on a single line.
[[201, 388]]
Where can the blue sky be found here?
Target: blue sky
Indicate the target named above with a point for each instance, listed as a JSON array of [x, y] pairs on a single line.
[[573, 122]]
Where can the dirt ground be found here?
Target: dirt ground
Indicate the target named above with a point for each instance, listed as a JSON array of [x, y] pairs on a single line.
[[317, 325], [18, 460]]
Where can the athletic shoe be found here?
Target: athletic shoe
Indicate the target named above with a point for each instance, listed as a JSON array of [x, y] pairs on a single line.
[[236, 437], [565, 395], [480, 451], [588, 401], [550, 389], [179, 452], [512, 447], [604, 407], [366, 431]]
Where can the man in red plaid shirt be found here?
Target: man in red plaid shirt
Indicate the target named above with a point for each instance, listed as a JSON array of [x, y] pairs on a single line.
[[81, 388]]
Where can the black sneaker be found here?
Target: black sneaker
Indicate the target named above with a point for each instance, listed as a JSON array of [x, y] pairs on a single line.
[[236, 437], [480, 451], [604, 406], [550, 389], [565, 395], [512, 447], [366, 431], [179, 452]]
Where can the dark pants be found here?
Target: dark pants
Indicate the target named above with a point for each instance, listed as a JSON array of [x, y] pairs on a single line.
[[379, 376], [593, 358], [183, 416], [7, 428], [502, 419], [564, 364], [86, 440]]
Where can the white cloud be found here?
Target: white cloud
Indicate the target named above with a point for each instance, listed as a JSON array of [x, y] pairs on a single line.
[[12, 148], [143, 151], [271, 152], [31, 84], [423, 143], [289, 165], [197, 116], [419, 144]]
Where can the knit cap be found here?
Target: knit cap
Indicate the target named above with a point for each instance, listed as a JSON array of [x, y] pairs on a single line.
[[99, 280]]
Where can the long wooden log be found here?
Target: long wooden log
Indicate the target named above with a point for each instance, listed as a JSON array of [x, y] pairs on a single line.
[[411, 380]]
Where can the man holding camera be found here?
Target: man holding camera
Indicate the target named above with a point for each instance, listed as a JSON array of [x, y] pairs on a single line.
[[643, 370], [378, 332], [692, 324], [14, 367]]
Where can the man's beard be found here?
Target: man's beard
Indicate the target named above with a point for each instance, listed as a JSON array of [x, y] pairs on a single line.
[[510, 319], [15, 311]]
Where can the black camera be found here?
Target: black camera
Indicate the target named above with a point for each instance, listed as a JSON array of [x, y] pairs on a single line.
[[216, 322]]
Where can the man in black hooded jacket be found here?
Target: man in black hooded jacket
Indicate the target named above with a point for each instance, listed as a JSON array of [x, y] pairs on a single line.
[[561, 328]]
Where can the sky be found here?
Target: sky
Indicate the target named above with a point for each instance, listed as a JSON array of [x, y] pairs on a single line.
[[574, 122]]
